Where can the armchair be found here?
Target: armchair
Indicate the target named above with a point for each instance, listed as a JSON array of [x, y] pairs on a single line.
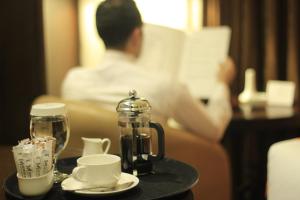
[[283, 178]]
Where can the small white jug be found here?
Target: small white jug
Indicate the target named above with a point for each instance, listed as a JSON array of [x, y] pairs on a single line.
[[95, 146]]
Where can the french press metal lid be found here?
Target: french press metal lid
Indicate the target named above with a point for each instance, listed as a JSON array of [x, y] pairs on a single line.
[[133, 104]]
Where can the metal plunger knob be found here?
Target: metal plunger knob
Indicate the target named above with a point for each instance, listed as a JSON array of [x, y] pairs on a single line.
[[132, 93]]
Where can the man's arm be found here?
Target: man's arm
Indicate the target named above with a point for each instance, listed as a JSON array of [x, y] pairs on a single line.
[[211, 120], [208, 121]]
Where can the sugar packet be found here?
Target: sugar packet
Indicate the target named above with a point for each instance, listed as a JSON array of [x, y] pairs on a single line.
[[34, 158]]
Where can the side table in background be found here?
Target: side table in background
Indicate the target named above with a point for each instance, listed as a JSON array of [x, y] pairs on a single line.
[[247, 140]]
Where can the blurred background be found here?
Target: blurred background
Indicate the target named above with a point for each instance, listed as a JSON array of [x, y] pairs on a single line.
[[41, 40]]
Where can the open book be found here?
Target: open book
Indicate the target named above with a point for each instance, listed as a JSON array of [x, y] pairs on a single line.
[[193, 58]]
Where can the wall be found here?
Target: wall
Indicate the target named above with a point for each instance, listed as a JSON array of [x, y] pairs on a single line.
[[61, 41], [91, 46]]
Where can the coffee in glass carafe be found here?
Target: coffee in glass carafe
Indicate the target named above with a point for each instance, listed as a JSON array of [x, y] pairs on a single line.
[[134, 121]]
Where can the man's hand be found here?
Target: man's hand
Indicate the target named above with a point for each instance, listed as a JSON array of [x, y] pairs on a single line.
[[227, 71]]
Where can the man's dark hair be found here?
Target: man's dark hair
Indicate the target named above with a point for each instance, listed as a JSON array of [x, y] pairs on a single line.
[[115, 21]]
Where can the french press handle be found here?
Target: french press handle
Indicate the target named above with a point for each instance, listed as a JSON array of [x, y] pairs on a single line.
[[161, 141]]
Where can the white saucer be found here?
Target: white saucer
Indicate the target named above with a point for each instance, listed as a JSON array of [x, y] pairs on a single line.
[[125, 177]]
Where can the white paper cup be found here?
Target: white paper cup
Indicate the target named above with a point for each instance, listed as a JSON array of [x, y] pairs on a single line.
[[102, 170], [37, 185]]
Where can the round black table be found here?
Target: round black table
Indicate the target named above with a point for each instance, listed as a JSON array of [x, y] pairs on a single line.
[[171, 179], [247, 140]]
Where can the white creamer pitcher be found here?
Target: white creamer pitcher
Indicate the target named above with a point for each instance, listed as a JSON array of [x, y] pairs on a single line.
[[95, 146]]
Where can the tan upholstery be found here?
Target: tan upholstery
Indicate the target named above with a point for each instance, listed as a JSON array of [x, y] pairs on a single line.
[[210, 159]]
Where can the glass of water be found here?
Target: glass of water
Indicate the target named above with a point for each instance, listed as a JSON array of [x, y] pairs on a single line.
[[51, 119]]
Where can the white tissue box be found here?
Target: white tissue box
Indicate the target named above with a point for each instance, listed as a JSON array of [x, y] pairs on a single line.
[[280, 93]]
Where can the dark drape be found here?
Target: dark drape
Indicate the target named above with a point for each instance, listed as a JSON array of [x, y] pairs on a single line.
[[22, 73], [265, 36]]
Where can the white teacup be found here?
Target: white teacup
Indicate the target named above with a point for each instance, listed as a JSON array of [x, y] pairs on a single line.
[[103, 170], [37, 185]]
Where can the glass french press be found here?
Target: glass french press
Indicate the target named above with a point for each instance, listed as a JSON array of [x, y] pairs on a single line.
[[134, 121]]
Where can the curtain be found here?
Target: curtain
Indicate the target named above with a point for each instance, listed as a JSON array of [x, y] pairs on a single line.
[[265, 36], [22, 73]]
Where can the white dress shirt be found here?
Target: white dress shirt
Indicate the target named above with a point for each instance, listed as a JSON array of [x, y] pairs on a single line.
[[111, 81]]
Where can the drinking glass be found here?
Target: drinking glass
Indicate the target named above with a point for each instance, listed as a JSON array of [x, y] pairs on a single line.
[[51, 119]]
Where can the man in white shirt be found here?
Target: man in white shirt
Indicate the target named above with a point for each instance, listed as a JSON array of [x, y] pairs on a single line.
[[119, 25]]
